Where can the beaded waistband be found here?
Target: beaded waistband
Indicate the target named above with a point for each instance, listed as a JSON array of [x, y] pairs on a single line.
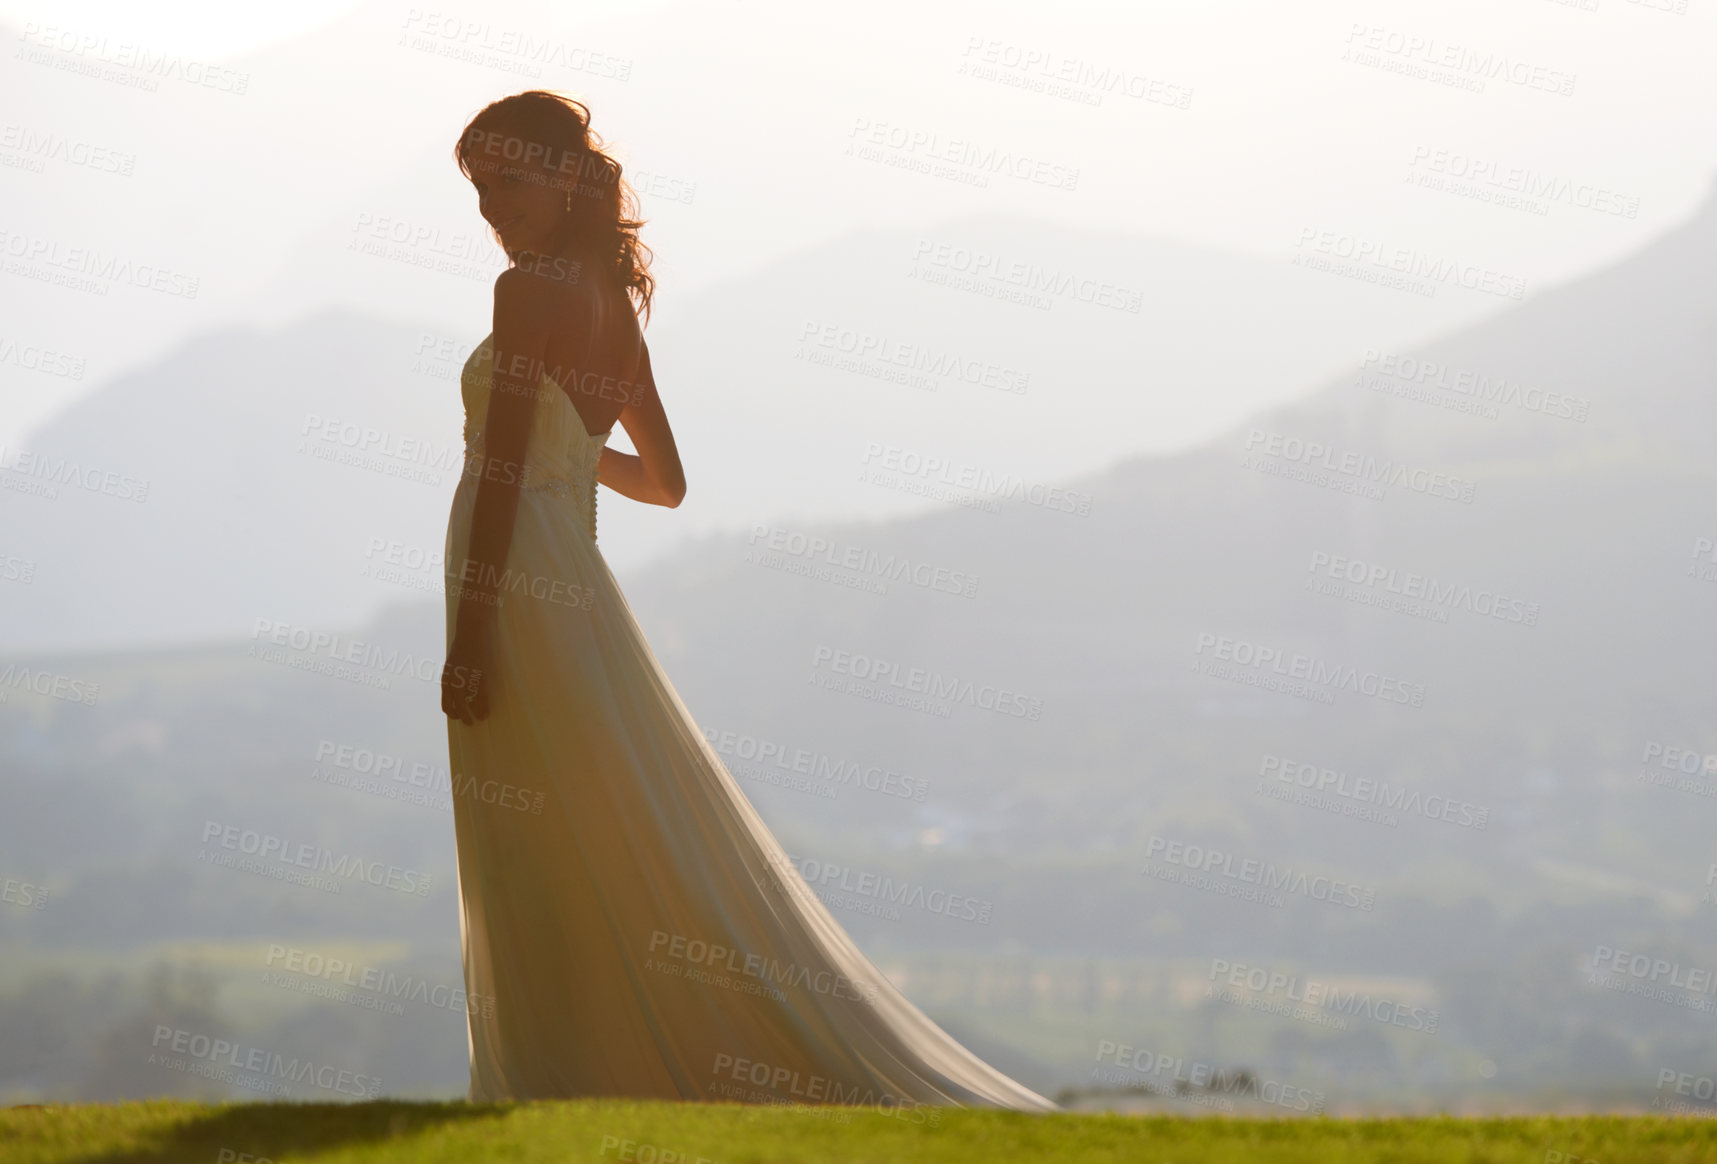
[[531, 479]]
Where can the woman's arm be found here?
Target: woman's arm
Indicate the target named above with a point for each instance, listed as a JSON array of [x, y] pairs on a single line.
[[655, 475], [520, 344]]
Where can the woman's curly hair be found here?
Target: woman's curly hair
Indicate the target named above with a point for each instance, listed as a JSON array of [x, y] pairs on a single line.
[[539, 130]]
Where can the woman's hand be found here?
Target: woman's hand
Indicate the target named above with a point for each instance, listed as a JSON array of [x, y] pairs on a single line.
[[466, 677]]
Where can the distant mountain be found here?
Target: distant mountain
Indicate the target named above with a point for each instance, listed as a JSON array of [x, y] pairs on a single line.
[[1535, 578], [283, 467], [1525, 578]]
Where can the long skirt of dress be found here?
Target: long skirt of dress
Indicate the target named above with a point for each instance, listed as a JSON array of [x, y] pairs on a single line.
[[630, 926]]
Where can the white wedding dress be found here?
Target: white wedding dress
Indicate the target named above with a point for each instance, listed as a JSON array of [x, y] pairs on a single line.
[[629, 925]]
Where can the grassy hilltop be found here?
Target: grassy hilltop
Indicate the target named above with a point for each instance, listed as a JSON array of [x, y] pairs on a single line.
[[158, 1131]]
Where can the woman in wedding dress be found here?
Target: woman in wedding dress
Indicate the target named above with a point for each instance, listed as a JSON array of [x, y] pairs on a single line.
[[630, 927]]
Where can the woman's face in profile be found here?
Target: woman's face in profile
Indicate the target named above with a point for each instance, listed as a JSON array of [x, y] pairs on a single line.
[[515, 198]]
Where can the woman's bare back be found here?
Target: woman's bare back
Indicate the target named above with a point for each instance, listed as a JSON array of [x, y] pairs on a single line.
[[595, 355]]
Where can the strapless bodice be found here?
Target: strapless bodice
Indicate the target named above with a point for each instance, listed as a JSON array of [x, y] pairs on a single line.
[[561, 454]]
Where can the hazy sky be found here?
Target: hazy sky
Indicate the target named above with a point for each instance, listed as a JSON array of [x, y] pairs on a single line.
[[1236, 125]]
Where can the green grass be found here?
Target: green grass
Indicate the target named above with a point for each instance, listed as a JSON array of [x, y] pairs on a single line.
[[629, 1132]]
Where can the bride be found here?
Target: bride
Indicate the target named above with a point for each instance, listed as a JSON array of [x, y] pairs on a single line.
[[630, 927]]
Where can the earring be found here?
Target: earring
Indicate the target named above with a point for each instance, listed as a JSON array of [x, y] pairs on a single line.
[[569, 201]]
